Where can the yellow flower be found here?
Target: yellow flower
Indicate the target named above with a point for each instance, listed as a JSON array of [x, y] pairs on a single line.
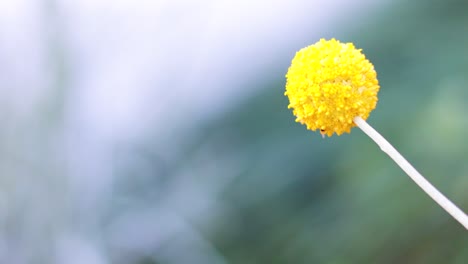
[[328, 84]]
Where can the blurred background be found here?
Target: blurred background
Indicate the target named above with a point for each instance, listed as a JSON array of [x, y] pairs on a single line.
[[157, 132]]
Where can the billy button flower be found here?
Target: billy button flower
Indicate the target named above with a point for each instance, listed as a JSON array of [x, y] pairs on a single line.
[[328, 84], [332, 87]]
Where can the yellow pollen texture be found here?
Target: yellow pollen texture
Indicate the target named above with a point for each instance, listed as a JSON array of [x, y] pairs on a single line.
[[328, 84]]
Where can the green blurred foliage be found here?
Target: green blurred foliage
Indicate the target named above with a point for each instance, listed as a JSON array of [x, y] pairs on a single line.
[[294, 197]]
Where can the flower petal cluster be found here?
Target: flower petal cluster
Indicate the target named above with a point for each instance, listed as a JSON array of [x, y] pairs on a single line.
[[328, 84]]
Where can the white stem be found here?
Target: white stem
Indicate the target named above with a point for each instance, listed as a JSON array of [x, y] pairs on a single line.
[[445, 203]]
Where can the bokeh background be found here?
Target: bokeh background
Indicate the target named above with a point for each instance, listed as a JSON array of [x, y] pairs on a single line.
[[157, 132]]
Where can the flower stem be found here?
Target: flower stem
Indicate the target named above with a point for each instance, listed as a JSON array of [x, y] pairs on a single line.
[[386, 147]]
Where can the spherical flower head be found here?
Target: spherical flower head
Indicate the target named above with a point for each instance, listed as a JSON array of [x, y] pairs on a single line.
[[330, 83]]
